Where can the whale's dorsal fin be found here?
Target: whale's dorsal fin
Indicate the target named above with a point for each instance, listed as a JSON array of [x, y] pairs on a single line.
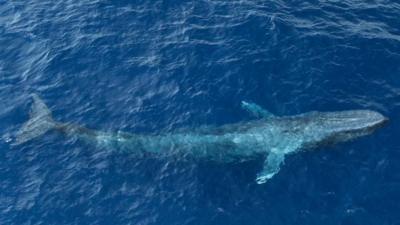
[[271, 167], [256, 110]]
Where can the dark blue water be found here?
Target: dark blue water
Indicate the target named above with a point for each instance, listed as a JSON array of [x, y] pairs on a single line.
[[146, 66]]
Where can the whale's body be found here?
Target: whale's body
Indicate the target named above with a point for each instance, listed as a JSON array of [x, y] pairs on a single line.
[[268, 135]]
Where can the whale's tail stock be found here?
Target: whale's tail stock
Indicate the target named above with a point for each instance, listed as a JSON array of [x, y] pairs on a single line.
[[40, 121]]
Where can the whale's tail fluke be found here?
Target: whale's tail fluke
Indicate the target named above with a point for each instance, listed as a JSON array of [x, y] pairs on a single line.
[[40, 121]]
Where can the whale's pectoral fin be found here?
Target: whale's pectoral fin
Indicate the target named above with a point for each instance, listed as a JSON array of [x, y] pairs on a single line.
[[271, 166], [256, 110]]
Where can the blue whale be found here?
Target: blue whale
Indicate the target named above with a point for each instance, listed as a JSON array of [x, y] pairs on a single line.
[[267, 135]]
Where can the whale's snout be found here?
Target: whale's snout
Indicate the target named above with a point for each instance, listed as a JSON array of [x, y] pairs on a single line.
[[333, 127], [372, 119], [353, 123], [355, 120]]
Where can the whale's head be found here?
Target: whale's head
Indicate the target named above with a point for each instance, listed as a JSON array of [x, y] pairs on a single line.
[[333, 127]]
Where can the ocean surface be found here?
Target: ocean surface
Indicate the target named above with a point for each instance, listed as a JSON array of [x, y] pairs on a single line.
[[152, 65]]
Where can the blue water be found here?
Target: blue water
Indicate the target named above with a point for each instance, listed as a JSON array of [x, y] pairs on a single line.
[[152, 65]]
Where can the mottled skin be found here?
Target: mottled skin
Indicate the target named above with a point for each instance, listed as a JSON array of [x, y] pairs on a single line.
[[269, 135]]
